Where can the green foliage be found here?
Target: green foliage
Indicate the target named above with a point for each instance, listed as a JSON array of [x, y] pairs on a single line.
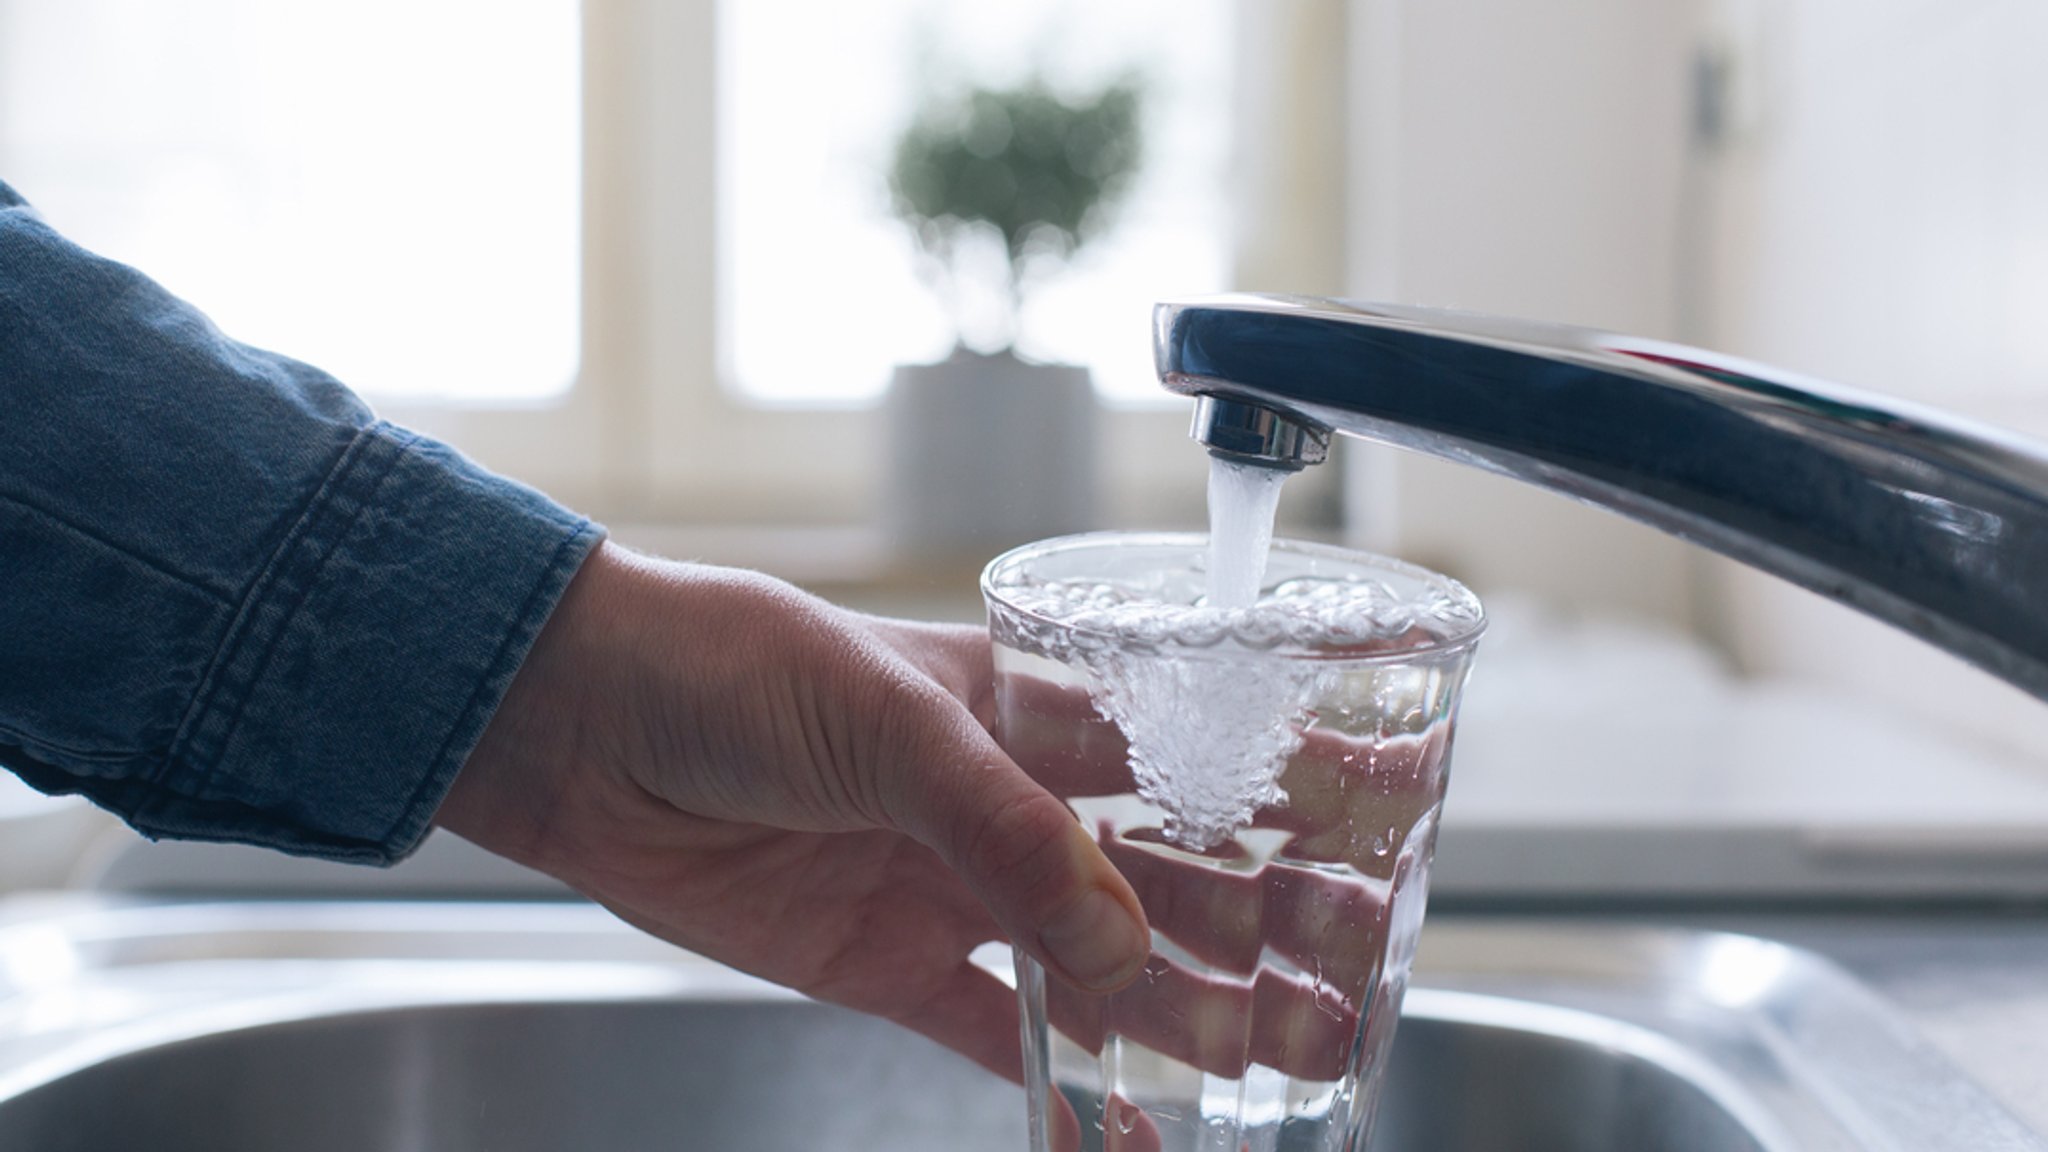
[[1041, 171]]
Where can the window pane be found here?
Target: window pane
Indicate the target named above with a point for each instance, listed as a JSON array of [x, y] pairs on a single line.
[[813, 93], [386, 188]]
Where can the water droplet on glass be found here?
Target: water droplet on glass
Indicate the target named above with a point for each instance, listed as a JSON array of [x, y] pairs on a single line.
[[1126, 1117]]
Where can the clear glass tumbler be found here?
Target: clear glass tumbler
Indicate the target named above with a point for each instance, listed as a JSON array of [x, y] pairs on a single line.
[[1269, 780]]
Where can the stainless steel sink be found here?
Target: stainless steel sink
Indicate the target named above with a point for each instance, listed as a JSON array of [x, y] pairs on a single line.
[[409, 1027]]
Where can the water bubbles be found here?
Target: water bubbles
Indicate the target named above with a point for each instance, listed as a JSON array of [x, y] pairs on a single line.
[[1213, 701], [1320, 615], [1201, 630], [1259, 631], [1349, 630], [1208, 738], [1149, 625]]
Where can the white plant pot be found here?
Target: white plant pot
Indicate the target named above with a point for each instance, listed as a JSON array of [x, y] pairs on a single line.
[[986, 452]]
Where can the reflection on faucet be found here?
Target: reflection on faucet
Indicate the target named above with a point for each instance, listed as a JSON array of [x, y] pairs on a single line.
[[1970, 524], [1923, 520]]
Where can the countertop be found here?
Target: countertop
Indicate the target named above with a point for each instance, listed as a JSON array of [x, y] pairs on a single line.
[[1973, 983], [1976, 988]]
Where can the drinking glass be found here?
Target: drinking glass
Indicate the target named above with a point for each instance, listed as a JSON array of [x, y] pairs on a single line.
[[1269, 782]]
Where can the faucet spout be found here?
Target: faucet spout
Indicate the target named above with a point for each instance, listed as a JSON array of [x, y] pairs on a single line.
[[1253, 434], [1923, 520]]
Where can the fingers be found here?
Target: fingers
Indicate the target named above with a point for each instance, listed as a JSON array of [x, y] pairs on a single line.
[[956, 656], [975, 1014], [1126, 1128], [1352, 800], [1017, 847], [1232, 921], [1218, 1024], [1056, 734], [1062, 1123]]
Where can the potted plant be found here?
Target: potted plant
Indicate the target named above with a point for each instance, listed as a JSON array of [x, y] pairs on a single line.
[[1000, 187]]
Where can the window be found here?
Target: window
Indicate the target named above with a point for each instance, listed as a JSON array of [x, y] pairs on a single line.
[[548, 176], [812, 93], [386, 188]]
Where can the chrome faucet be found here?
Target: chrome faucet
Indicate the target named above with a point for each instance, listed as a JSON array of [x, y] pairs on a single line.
[[1925, 521]]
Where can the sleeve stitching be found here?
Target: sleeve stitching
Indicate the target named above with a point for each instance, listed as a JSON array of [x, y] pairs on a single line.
[[206, 729]]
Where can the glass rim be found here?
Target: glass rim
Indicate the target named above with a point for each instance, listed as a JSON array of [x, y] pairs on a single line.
[[1455, 644]]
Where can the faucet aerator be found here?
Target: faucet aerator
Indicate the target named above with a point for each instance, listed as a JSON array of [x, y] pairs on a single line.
[[1257, 435]]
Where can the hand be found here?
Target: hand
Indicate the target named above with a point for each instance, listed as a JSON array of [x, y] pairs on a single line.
[[799, 791]]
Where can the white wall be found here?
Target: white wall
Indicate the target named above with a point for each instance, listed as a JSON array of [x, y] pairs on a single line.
[[1523, 159], [1880, 217], [1875, 212]]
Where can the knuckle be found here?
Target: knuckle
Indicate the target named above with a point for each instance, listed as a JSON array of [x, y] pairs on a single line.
[[1015, 845]]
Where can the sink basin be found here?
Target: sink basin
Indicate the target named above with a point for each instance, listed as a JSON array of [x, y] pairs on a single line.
[[403, 1027]]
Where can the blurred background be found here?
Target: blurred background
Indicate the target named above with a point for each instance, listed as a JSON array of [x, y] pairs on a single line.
[[664, 259]]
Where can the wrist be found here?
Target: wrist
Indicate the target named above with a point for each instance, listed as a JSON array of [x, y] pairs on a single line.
[[521, 781]]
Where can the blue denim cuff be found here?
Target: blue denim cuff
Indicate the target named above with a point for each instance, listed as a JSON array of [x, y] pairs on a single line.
[[368, 656]]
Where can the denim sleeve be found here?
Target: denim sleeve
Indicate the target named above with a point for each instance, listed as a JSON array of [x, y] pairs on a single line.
[[234, 605]]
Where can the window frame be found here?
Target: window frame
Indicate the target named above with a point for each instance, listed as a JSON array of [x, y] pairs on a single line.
[[648, 438]]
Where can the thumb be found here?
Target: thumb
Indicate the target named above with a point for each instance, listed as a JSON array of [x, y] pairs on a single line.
[[1025, 855]]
